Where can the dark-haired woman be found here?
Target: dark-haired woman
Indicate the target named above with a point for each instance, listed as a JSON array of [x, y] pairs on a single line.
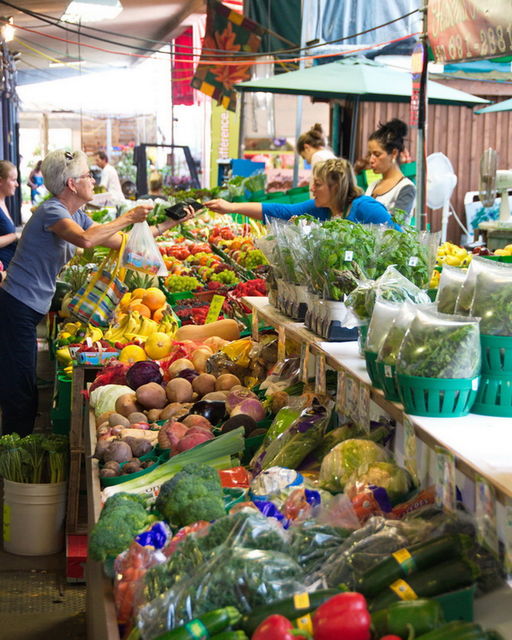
[[393, 190], [312, 146]]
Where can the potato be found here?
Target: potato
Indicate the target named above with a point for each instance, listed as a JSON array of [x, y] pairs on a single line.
[[174, 410], [136, 417], [226, 381], [199, 359], [126, 404], [179, 365], [203, 384], [151, 396], [103, 417], [116, 419], [154, 415], [179, 390]]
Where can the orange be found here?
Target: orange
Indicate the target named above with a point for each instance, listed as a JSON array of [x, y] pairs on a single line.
[[158, 314], [138, 293], [132, 353], [153, 298], [136, 305], [158, 345]]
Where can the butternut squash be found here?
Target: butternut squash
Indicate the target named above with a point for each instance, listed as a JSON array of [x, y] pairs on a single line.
[[226, 329]]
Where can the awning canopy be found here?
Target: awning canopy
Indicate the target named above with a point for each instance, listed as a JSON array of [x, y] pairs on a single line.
[[357, 77], [504, 105]]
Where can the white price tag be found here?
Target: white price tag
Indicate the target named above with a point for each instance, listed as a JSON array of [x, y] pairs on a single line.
[[255, 328], [320, 382], [304, 362], [388, 371], [474, 384], [485, 515], [349, 256], [413, 261], [445, 479]]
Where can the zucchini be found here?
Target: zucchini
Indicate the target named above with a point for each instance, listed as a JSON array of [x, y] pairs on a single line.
[[229, 635], [286, 607], [452, 631], [447, 576], [410, 560]]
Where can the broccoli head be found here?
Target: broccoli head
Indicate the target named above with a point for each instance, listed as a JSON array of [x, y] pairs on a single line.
[[193, 494], [117, 527]]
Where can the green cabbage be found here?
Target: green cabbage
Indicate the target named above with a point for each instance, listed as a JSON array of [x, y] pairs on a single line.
[[104, 398], [388, 475], [345, 458]]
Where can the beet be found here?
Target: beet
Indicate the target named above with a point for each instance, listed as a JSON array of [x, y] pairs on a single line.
[[143, 372]]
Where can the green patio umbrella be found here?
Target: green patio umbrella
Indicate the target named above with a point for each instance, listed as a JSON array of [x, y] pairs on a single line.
[[505, 105], [357, 77]]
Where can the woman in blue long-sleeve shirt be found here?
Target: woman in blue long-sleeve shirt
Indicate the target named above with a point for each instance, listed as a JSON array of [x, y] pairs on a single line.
[[335, 192]]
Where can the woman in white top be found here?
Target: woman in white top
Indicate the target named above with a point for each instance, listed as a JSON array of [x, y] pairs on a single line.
[[393, 190], [312, 146]]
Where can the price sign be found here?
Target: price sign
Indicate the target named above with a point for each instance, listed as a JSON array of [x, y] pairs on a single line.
[[281, 344], [445, 479], [413, 261], [363, 418], [410, 460], [255, 327], [351, 398], [215, 309], [304, 362], [340, 393], [320, 382], [485, 515], [349, 256], [469, 29]]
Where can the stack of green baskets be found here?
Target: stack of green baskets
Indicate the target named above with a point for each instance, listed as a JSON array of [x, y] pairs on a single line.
[[494, 396], [437, 397], [371, 366]]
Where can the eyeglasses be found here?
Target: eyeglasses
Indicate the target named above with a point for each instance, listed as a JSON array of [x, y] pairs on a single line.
[[85, 175]]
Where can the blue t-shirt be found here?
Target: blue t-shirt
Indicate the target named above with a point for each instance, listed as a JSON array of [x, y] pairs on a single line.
[[364, 210], [6, 226], [40, 256]]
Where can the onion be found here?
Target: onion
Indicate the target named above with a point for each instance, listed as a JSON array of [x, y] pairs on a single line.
[[250, 407]]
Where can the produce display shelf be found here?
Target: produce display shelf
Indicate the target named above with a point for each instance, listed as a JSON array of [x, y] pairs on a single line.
[[480, 444]]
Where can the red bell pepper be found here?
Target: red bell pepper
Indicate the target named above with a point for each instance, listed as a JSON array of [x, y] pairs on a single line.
[[342, 616], [276, 627]]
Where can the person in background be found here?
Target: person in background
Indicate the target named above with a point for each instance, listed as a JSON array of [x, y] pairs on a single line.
[[393, 190], [312, 146], [8, 234], [35, 180], [335, 194], [109, 178], [155, 186], [50, 239]]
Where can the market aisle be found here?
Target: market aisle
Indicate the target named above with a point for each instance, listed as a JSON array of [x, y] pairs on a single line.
[[36, 603]]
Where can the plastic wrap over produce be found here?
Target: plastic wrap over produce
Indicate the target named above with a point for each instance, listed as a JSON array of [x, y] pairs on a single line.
[[251, 568]]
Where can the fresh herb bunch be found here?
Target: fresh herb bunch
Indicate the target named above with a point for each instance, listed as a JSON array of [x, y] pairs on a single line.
[[409, 255], [493, 304], [433, 350], [36, 458], [450, 284]]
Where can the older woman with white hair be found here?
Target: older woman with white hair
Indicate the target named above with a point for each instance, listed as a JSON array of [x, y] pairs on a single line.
[[49, 240]]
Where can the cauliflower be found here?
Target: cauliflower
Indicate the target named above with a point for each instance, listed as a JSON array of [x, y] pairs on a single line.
[[396, 481]]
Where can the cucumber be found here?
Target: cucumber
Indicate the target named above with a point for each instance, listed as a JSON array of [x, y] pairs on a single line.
[[452, 631], [447, 576], [286, 608], [422, 556]]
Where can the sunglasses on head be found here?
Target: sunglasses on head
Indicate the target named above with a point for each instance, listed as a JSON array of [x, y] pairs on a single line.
[[68, 155]]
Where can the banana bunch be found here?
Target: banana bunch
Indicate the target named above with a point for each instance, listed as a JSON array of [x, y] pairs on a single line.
[[132, 326], [453, 255], [169, 323]]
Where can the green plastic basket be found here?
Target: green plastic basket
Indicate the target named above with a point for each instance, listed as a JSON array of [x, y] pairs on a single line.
[[494, 397], [152, 456], [437, 397], [496, 355], [387, 375], [361, 340], [233, 496], [457, 605], [371, 366]]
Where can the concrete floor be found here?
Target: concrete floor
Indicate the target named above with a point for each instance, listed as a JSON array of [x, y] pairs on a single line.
[[36, 603]]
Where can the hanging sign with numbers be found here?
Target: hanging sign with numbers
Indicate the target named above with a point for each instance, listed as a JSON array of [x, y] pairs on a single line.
[[469, 29]]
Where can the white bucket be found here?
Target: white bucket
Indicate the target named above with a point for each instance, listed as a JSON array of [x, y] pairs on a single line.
[[34, 518]]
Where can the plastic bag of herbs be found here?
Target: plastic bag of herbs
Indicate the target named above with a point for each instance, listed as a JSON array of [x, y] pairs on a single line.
[[450, 284], [291, 446], [233, 574], [296, 234], [492, 299], [438, 345], [467, 291], [383, 316], [286, 260], [391, 286], [412, 252], [343, 253], [390, 345]]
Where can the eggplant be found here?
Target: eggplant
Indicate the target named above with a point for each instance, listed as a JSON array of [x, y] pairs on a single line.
[[215, 412]]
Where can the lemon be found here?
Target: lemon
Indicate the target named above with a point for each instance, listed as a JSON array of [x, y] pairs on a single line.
[[158, 345]]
